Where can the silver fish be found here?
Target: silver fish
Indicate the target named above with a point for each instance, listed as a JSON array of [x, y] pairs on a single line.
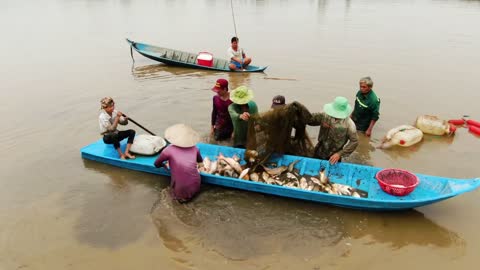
[[291, 176], [266, 177], [303, 183], [292, 165], [254, 177], [356, 195], [316, 181], [275, 171], [244, 173], [213, 167], [342, 189], [323, 177], [206, 164], [230, 161]]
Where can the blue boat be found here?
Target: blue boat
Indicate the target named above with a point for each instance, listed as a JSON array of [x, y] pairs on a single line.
[[184, 59], [430, 190]]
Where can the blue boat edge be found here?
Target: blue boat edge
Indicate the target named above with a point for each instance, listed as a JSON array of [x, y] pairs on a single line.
[[145, 164]]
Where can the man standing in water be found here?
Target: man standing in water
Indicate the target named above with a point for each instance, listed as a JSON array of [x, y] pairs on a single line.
[[367, 107], [337, 137], [238, 59]]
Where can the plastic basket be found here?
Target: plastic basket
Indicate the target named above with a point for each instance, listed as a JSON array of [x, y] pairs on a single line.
[[397, 182]]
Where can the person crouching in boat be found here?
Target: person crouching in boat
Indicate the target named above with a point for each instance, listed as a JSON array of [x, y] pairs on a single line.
[[237, 56], [182, 156], [337, 137], [222, 127], [242, 108], [108, 120]]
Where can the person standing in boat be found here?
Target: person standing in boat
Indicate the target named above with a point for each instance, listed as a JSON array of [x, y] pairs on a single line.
[[367, 107], [108, 120], [237, 56], [337, 137], [182, 156], [222, 126], [242, 108]]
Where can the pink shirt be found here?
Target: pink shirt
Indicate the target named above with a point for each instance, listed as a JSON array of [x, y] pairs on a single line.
[[185, 181]]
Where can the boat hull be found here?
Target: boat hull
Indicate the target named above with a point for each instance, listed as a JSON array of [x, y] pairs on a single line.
[[184, 59], [431, 189]]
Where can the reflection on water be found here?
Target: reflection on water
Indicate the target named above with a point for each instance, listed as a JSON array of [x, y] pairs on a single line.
[[114, 214], [168, 73], [242, 225]]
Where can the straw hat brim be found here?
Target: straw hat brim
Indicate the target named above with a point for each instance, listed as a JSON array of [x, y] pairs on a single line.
[[331, 111], [241, 100], [182, 135]]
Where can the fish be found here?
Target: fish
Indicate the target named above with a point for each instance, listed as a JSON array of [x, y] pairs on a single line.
[[244, 173], [266, 177], [356, 195], [323, 178], [206, 164], [292, 165], [236, 158], [303, 183], [291, 176], [213, 167], [275, 171], [316, 181], [254, 177], [342, 189], [230, 161]]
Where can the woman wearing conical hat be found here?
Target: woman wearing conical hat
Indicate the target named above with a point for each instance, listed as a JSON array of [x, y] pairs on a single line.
[[182, 156], [337, 137], [242, 108]]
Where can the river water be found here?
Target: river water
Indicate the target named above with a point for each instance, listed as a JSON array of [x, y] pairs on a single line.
[[61, 57]]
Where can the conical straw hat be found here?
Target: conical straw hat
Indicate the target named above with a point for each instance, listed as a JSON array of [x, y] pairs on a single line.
[[182, 135]]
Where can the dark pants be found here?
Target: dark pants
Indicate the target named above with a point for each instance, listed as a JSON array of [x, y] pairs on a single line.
[[116, 138], [222, 134]]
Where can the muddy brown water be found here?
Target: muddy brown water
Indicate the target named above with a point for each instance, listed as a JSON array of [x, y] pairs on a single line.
[[59, 58]]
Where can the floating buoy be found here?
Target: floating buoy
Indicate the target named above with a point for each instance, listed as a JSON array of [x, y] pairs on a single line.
[[457, 122], [452, 129], [475, 130], [473, 123]]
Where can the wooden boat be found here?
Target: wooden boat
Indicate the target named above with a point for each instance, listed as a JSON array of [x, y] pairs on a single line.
[[430, 190], [184, 59]]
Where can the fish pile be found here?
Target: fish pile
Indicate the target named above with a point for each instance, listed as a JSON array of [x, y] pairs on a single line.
[[287, 176]]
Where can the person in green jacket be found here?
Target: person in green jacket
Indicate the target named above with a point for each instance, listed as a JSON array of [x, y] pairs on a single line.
[[242, 108], [367, 107], [337, 137]]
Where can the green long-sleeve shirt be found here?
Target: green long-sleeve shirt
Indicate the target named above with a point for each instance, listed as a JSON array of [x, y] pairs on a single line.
[[335, 136], [240, 127], [367, 108]]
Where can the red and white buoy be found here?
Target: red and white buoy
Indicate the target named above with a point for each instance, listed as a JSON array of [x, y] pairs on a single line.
[[471, 122], [457, 122], [474, 129]]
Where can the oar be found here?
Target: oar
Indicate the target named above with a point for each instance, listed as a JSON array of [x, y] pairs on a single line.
[[142, 127]]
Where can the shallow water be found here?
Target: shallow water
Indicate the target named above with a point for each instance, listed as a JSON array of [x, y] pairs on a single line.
[[60, 58]]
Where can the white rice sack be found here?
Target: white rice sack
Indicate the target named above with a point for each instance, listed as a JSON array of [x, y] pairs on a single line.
[[147, 144]]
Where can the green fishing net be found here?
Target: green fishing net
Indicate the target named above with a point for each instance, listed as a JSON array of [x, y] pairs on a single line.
[[281, 131]]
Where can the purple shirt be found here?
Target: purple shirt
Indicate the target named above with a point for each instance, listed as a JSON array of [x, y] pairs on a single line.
[[185, 181], [220, 116]]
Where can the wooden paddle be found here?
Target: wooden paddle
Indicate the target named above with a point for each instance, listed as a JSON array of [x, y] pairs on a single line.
[[142, 127]]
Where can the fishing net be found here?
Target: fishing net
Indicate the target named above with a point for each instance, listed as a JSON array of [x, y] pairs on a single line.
[[281, 131]]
